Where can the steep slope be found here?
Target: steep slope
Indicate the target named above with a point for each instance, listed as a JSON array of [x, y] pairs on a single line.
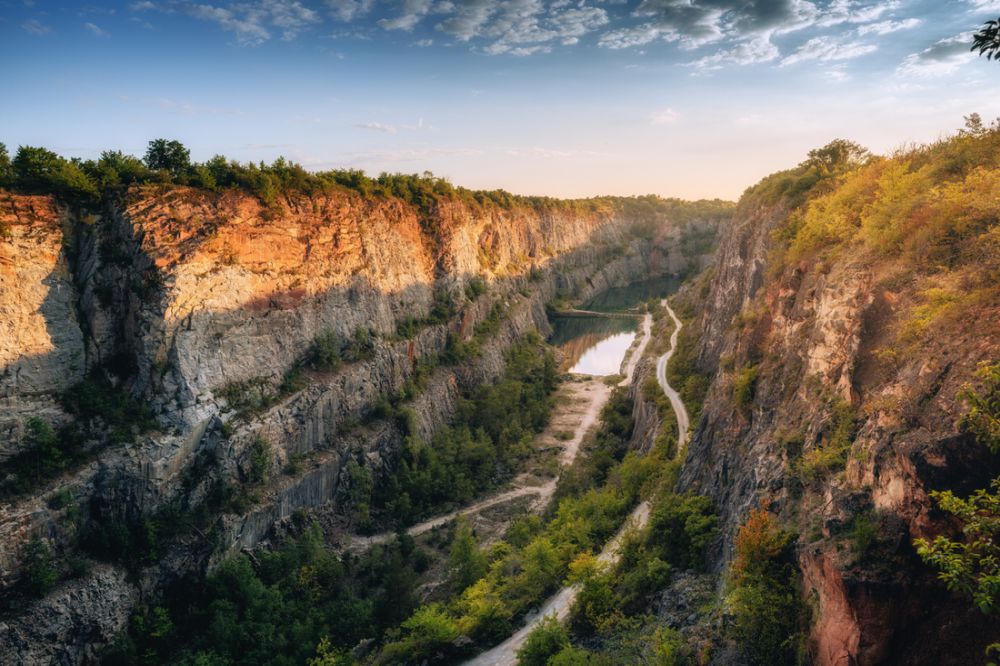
[[847, 310]]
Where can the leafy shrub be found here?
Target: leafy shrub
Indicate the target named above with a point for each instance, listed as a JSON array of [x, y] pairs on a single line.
[[982, 420], [545, 641], [768, 615], [324, 352], [475, 288], [39, 570], [744, 385], [260, 460], [832, 451]]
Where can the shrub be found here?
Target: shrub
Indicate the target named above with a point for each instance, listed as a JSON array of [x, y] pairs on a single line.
[[744, 385], [832, 452], [546, 640], [982, 420], [475, 288], [260, 460], [768, 615], [324, 352], [39, 571]]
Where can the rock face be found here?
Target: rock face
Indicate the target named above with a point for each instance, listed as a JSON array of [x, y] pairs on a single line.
[[41, 341], [206, 297], [822, 339]]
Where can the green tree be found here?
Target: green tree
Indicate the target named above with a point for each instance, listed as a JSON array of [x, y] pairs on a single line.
[[169, 156], [40, 574], [983, 418], [6, 173], [987, 40], [970, 565], [836, 157], [545, 641], [467, 562]]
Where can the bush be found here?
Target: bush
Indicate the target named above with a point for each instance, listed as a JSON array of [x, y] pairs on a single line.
[[982, 420], [545, 641], [39, 571], [832, 452], [324, 352], [744, 385], [768, 615], [260, 461]]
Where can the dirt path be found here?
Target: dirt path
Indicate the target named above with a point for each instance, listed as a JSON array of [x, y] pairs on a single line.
[[559, 604], [578, 406], [683, 423]]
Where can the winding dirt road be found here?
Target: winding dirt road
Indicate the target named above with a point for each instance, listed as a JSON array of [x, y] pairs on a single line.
[[560, 603]]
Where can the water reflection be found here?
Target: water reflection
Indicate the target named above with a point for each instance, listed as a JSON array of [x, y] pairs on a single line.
[[618, 299], [592, 345]]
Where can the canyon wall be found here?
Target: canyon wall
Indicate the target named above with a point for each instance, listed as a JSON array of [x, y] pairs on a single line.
[[188, 301], [828, 348]]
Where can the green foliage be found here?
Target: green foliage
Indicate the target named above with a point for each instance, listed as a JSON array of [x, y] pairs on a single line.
[[970, 565], [493, 431], [6, 171], [744, 385], [169, 156], [279, 606], [982, 420], [260, 460], [987, 40], [97, 401], [832, 451], [475, 288], [40, 171], [324, 352], [680, 529], [537, 557], [545, 641], [39, 571], [768, 617], [249, 396], [466, 561], [684, 375], [360, 346]]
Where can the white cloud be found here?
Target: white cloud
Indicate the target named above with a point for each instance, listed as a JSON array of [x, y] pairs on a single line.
[[984, 5], [665, 117], [826, 49], [943, 57], [521, 27], [252, 22], [35, 27], [886, 27], [749, 52], [377, 127], [413, 12], [348, 10], [96, 30]]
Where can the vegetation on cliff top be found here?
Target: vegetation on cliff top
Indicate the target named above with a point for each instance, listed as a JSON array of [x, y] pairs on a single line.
[[83, 183]]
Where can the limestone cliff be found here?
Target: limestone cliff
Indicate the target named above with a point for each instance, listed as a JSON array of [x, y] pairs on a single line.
[[827, 345], [184, 299]]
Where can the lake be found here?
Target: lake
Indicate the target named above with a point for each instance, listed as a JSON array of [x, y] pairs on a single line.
[[597, 346]]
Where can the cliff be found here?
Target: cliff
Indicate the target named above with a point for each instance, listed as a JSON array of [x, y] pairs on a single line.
[[837, 364], [200, 308]]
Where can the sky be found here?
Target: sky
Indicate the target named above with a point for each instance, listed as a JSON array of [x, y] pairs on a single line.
[[569, 98]]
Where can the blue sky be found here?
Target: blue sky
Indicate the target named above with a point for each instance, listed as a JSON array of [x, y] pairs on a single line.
[[690, 98]]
